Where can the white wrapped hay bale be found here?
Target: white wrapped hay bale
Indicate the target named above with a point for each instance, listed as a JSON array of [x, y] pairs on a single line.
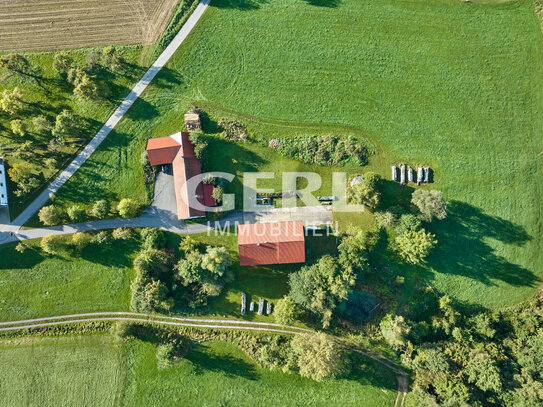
[[402, 174], [243, 303], [269, 308], [420, 174], [410, 174], [260, 306], [394, 173], [252, 306], [426, 174]]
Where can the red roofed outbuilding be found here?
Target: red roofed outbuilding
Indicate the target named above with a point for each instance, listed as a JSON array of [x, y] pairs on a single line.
[[178, 151], [271, 243]]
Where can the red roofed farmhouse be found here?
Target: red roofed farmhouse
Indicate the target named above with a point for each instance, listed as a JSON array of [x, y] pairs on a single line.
[[178, 151], [271, 243]]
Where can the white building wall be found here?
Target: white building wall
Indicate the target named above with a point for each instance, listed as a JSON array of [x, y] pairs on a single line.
[[3, 184]]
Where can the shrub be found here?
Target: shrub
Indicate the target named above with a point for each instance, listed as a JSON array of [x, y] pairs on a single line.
[[62, 62], [199, 140], [41, 124], [18, 127], [121, 329], [323, 150], [76, 213], [21, 247], [100, 209], [152, 238], [218, 193], [408, 222], [50, 215], [414, 246], [233, 130], [286, 311], [53, 244], [121, 234], [165, 355], [319, 357], [81, 240], [430, 204], [127, 208], [102, 237]]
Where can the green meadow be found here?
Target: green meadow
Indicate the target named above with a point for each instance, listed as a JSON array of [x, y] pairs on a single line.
[[34, 284], [450, 84]]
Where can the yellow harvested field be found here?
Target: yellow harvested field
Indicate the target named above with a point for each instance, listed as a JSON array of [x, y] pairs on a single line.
[[42, 25]]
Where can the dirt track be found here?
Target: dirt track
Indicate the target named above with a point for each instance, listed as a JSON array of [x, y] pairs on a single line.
[[41, 25]]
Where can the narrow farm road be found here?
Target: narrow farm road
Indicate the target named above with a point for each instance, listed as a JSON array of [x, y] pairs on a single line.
[[114, 119], [209, 323]]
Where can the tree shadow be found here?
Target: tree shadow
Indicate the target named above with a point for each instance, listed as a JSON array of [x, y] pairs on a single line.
[[244, 5], [393, 194], [324, 3], [10, 259], [143, 111], [462, 249], [168, 78], [229, 365]]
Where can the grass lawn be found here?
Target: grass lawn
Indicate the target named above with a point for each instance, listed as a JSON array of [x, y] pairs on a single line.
[[453, 85], [61, 371], [34, 284], [269, 282], [219, 374]]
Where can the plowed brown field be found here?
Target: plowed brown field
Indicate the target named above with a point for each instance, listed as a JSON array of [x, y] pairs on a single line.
[[42, 25]]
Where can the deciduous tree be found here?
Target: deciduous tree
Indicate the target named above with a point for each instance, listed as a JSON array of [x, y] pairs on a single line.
[[430, 204], [319, 357], [50, 215], [414, 246], [286, 311]]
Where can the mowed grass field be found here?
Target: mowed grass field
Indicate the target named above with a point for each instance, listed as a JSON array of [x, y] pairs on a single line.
[[220, 374], [93, 370], [61, 371], [29, 25], [453, 85], [34, 284]]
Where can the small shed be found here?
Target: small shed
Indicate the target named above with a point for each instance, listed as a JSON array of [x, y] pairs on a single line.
[[192, 121], [394, 173], [410, 174]]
